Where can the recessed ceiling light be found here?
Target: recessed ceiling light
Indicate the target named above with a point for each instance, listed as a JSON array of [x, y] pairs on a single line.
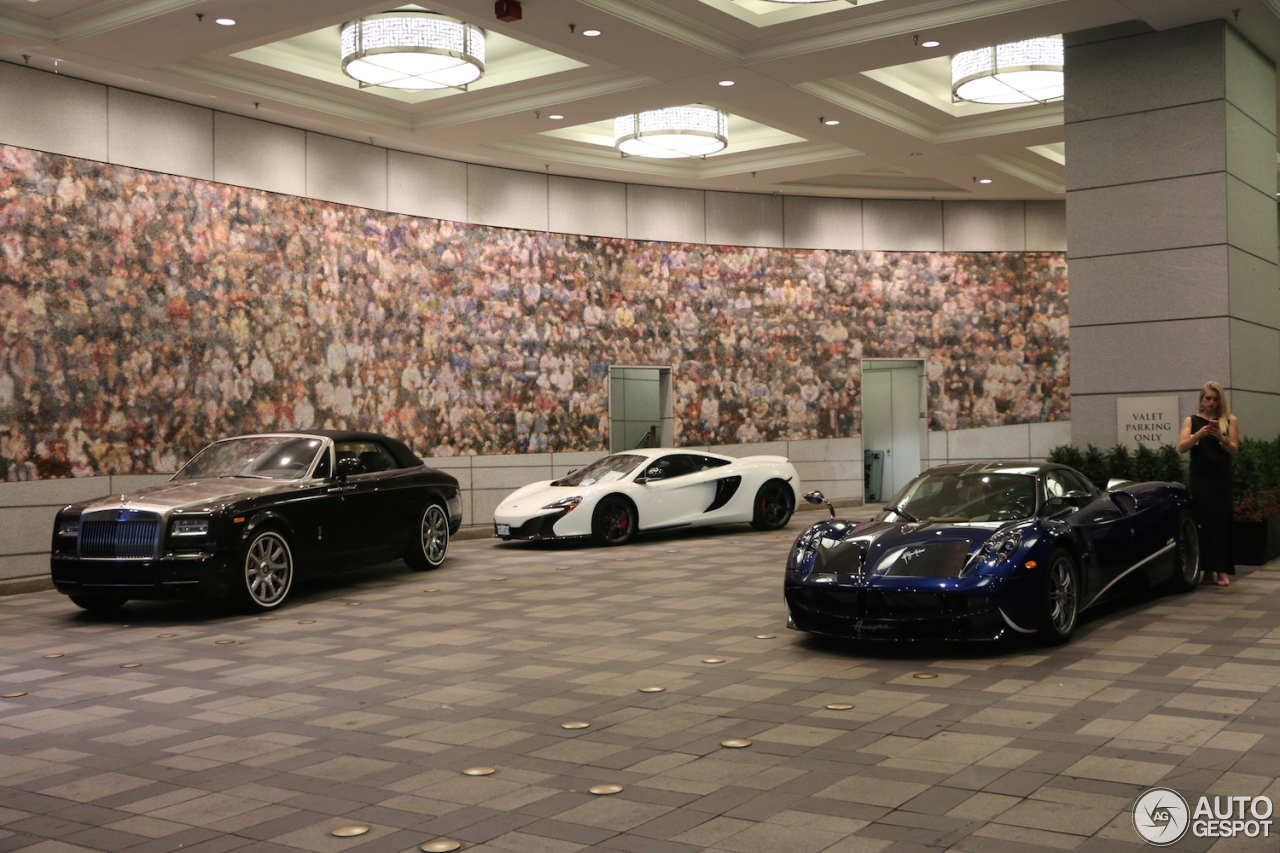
[[726, 82], [226, 22], [555, 117], [591, 33], [831, 122], [984, 180], [931, 43]]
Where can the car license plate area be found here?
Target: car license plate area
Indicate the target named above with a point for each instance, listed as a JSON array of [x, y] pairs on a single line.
[[503, 529]]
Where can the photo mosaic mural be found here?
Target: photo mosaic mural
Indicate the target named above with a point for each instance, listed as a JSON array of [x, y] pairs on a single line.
[[143, 315]]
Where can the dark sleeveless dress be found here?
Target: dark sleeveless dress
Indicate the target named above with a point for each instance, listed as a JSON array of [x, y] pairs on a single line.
[[1211, 501]]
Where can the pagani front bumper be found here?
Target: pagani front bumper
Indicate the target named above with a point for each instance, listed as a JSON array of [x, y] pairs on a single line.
[[987, 607]]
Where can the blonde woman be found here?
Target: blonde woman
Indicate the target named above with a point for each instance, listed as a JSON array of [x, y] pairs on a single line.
[[1212, 435]]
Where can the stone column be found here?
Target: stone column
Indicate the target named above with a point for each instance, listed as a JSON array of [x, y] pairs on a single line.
[[1171, 223]]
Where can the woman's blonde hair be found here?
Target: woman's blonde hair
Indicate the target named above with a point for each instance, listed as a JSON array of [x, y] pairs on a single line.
[[1224, 408]]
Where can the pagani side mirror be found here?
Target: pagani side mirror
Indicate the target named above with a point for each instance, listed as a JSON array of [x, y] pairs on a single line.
[[348, 467], [816, 497], [1077, 498]]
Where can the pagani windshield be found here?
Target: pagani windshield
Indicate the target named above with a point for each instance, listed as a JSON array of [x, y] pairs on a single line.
[[967, 496], [260, 457], [603, 470]]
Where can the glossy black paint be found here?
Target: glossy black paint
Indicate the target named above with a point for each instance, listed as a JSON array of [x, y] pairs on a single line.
[[331, 523]]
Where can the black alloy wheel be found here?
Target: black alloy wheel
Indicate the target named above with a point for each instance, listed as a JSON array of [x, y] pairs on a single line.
[[614, 522], [772, 509]]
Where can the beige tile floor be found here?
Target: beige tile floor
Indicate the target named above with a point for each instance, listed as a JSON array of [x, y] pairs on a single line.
[[368, 714]]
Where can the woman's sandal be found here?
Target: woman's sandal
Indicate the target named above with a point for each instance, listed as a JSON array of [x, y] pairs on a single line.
[[1223, 579]]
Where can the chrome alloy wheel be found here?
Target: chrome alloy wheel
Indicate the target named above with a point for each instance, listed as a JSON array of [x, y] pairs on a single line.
[[1064, 595], [268, 570], [434, 532]]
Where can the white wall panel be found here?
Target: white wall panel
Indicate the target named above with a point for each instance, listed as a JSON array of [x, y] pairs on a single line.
[[821, 223], [259, 154], [506, 198], [159, 135], [983, 226], [426, 186], [744, 219], [580, 206], [1048, 435], [663, 213], [901, 225], [49, 112], [346, 172]]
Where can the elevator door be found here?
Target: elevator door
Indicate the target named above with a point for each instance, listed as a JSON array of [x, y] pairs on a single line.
[[640, 413]]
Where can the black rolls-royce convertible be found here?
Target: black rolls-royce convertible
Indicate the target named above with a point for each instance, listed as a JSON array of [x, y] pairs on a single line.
[[246, 514]]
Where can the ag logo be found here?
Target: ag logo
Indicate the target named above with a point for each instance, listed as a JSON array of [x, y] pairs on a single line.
[[1161, 816]]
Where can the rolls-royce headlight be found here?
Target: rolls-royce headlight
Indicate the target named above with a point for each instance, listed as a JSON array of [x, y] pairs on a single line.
[[567, 504], [190, 527], [69, 527]]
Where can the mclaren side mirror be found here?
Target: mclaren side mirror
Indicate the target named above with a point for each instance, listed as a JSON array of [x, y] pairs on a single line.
[[348, 467], [654, 473]]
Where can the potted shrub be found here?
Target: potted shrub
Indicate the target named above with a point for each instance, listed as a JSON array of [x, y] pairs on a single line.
[[1256, 531]]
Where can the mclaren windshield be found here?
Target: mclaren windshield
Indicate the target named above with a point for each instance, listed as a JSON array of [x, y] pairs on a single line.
[[603, 470], [966, 496], [265, 457]]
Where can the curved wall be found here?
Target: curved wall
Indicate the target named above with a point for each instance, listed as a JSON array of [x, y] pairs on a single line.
[[895, 259]]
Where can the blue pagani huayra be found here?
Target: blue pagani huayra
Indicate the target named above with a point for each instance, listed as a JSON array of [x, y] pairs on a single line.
[[988, 550]]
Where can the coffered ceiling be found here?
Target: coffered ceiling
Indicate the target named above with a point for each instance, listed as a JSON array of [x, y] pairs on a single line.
[[792, 66]]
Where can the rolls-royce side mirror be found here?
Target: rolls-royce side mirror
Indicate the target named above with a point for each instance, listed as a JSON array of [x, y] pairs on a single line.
[[348, 467]]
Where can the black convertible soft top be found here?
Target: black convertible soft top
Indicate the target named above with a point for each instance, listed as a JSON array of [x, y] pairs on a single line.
[[403, 455]]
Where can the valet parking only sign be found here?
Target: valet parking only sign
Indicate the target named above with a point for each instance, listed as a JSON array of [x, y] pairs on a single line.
[[1147, 421]]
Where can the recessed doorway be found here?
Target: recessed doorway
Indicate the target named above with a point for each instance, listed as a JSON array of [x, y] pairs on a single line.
[[640, 407], [894, 424]]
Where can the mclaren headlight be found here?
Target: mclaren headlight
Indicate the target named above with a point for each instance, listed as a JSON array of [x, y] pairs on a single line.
[[567, 504]]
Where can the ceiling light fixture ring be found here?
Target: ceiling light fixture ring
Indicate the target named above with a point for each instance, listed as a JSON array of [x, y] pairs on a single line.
[[672, 132], [412, 51], [1024, 72]]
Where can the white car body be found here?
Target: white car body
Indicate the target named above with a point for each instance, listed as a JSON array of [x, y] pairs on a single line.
[[715, 490]]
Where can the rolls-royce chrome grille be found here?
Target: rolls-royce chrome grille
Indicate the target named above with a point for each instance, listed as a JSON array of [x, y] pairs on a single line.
[[119, 533]]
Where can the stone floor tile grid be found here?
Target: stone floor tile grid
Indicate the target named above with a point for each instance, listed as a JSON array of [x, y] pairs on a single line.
[[349, 717]]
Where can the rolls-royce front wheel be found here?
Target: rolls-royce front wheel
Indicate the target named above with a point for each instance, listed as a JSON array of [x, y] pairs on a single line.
[[431, 539], [266, 573]]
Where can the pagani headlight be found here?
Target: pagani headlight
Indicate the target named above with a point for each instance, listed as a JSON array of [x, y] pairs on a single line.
[[1001, 546], [567, 504]]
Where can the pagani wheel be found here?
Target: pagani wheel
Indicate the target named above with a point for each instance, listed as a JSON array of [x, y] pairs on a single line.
[[1186, 562], [431, 542], [266, 572], [614, 521], [99, 603], [772, 509], [1061, 599]]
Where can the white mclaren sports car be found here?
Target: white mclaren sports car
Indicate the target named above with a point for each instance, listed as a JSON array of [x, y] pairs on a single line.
[[618, 496]]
